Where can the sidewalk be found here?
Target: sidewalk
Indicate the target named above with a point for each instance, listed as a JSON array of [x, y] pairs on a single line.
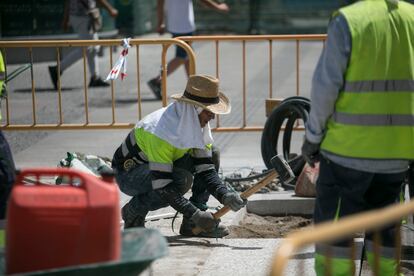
[[187, 256], [196, 256]]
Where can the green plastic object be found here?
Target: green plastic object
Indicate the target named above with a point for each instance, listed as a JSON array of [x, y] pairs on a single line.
[[2, 238], [140, 247]]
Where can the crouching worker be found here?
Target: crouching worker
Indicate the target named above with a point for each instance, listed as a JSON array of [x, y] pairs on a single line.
[[170, 151]]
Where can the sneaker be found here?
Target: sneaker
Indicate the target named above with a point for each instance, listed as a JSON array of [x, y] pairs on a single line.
[[53, 75], [187, 227], [155, 86], [131, 221], [98, 82]]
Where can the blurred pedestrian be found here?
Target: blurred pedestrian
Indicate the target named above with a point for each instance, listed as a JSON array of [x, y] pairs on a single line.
[[361, 124], [177, 17], [77, 15]]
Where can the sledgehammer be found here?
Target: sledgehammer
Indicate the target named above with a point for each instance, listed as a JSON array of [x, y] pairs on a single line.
[[281, 169]]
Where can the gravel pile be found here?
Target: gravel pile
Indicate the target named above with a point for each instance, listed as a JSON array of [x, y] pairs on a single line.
[[241, 183]]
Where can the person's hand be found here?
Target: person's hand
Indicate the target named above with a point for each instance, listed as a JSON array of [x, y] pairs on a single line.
[[204, 220], [161, 29], [310, 152], [113, 12], [222, 7], [234, 201]]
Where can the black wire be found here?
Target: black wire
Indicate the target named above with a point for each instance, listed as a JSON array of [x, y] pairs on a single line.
[[252, 177], [172, 222]]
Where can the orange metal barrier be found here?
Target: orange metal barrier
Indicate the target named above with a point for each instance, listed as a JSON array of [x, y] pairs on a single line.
[[344, 228], [244, 39], [244, 125], [30, 45]]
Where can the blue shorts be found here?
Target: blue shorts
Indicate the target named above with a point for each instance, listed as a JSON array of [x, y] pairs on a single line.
[[180, 52]]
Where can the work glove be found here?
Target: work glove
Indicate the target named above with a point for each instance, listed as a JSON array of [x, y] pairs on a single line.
[[310, 152], [234, 201], [204, 220]]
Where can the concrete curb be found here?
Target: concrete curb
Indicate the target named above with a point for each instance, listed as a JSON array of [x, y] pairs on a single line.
[[280, 203]]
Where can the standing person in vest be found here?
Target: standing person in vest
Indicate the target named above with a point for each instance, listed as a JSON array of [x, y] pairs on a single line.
[[7, 168], [361, 124], [177, 16], [171, 150]]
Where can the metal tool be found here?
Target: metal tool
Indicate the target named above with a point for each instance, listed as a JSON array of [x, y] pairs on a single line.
[[281, 169]]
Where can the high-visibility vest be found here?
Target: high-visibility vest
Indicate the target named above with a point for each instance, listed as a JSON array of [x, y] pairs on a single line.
[[2, 77], [374, 113], [161, 156], [2, 73]]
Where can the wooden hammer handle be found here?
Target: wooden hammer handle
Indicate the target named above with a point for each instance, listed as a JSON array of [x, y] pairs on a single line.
[[252, 190]]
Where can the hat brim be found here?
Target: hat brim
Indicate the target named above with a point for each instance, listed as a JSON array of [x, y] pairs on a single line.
[[222, 107]]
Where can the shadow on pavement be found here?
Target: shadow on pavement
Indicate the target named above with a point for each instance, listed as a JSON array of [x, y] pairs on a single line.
[[63, 89], [185, 241], [104, 103]]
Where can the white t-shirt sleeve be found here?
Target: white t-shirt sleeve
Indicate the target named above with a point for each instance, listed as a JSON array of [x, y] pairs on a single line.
[[179, 16]]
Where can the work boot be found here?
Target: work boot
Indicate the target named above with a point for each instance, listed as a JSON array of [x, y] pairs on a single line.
[[53, 75], [98, 82], [131, 220], [155, 86], [187, 226]]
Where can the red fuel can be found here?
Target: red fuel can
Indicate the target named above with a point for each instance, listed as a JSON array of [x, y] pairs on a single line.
[[52, 226]]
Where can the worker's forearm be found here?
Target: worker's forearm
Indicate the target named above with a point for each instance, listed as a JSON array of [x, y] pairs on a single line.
[[111, 10], [210, 4], [221, 7], [214, 184], [328, 78]]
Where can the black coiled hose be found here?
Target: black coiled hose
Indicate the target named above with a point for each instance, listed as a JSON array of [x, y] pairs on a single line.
[[290, 110]]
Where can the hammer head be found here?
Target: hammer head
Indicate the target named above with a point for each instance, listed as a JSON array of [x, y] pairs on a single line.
[[283, 169]]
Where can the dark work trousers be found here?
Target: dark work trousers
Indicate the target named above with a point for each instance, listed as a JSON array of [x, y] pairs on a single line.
[[137, 183], [411, 180], [355, 191], [7, 174]]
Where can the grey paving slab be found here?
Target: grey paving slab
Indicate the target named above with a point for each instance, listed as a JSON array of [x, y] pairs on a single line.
[[280, 203]]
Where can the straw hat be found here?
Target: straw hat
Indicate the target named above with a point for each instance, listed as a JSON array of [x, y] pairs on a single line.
[[203, 91]]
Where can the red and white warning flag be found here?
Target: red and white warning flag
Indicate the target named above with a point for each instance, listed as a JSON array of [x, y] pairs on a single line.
[[120, 64]]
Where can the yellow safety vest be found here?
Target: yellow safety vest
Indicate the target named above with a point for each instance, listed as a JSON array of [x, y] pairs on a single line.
[[2, 77], [374, 113], [2, 73]]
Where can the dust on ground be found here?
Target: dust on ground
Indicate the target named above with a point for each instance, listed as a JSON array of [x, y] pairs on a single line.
[[253, 226]]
